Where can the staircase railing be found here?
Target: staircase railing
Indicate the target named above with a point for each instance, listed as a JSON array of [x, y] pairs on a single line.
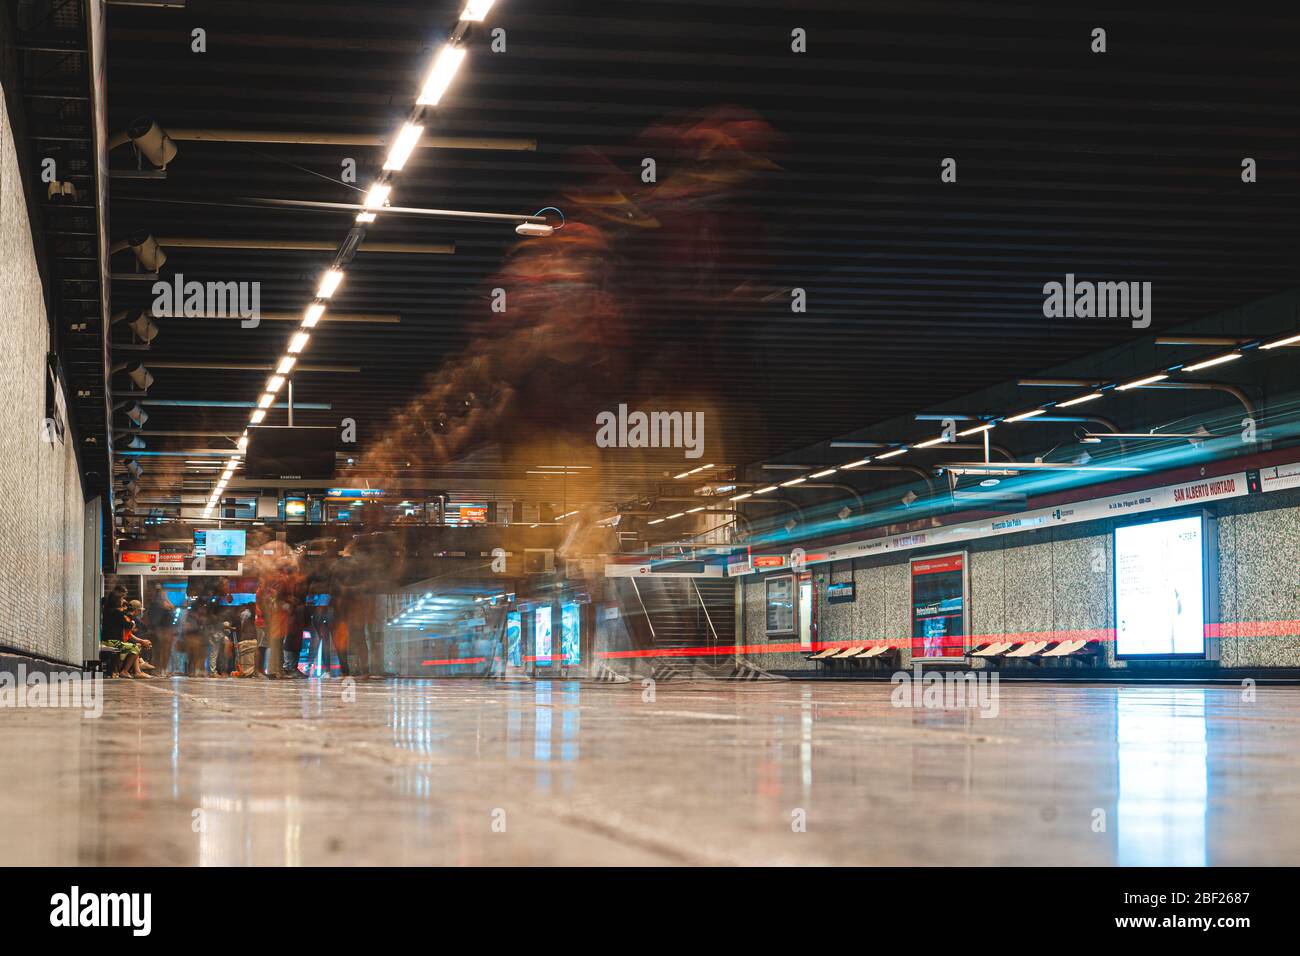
[[649, 623]]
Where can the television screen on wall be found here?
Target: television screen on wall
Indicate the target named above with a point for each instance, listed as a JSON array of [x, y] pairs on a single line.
[[1162, 588], [290, 454]]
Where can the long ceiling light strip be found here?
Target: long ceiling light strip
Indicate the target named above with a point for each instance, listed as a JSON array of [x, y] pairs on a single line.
[[445, 66], [1095, 394]]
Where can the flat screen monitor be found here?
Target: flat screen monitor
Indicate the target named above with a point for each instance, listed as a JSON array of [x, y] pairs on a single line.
[[1161, 588], [220, 543], [289, 454]]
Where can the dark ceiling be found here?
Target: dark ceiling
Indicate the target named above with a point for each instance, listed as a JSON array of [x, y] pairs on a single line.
[[1121, 166]]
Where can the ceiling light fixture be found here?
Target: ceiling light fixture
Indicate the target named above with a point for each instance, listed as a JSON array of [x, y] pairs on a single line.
[[1289, 340], [1080, 400], [312, 315], [891, 454], [476, 10], [823, 473], [286, 365], [1023, 415], [1217, 360], [403, 146], [329, 283], [378, 196], [1138, 383], [298, 343], [441, 74]]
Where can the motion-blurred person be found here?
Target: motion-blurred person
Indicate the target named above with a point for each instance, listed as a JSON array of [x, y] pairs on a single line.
[[160, 625]]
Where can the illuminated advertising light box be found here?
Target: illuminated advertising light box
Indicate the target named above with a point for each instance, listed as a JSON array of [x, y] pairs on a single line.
[[939, 607], [1166, 587], [514, 635], [542, 635], [570, 634]]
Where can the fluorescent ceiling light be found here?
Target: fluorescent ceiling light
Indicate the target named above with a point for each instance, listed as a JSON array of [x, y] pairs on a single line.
[[678, 515], [377, 196], [974, 431], [891, 454], [855, 464], [404, 145], [365, 217], [298, 343], [763, 491], [329, 283], [312, 315], [274, 384], [793, 481], [476, 10], [1023, 415], [1140, 382], [823, 473], [1289, 340], [657, 521], [243, 442], [741, 497], [927, 444], [286, 365], [266, 400], [257, 416], [1217, 360], [1080, 400], [694, 510], [441, 74]]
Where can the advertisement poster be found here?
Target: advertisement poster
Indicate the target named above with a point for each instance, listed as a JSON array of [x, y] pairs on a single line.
[[939, 607], [542, 635], [570, 633], [1160, 589], [514, 635]]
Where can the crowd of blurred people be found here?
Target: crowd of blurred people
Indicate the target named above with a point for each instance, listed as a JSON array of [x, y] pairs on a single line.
[[213, 634]]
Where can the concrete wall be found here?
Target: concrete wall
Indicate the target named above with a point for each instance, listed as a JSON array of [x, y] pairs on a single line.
[[41, 504], [1060, 580]]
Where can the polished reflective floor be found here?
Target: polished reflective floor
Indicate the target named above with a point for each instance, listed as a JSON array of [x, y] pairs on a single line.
[[225, 772]]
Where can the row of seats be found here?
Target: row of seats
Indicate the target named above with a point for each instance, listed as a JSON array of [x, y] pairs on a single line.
[[1017, 649]]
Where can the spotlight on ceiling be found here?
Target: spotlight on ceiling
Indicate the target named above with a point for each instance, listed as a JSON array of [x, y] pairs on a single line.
[[140, 376], [146, 250], [145, 329], [134, 411], [535, 229], [152, 141], [136, 443]]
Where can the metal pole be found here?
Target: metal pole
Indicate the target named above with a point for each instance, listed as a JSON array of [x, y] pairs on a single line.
[[290, 403]]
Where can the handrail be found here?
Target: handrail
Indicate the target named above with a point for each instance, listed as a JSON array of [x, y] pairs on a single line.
[[707, 616], [649, 623]]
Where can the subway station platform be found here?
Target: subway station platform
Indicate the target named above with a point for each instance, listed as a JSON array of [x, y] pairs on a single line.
[[227, 772]]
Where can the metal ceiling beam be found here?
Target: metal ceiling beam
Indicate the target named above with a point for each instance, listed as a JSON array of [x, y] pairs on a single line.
[[306, 245], [347, 139], [257, 367], [359, 318]]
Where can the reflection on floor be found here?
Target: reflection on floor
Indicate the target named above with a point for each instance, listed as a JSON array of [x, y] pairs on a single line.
[[467, 772]]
